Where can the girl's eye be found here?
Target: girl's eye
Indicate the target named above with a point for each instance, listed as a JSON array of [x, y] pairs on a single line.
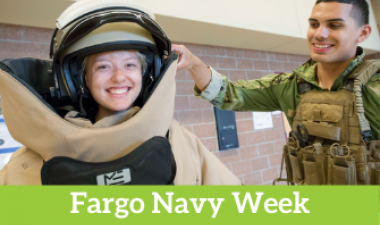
[[130, 65], [102, 67]]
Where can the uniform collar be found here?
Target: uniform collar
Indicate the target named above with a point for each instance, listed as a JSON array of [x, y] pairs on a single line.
[[308, 70]]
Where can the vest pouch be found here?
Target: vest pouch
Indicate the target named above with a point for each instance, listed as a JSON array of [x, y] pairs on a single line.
[[312, 164], [375, 172], [313, 175], [361, 174], [295, 158], [313, 111], [342, 170], [323, 115], [288, 167], [322, 130], [361, 156], [321, 120]]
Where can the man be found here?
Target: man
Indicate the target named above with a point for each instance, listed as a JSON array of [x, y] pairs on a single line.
[[313, 98]]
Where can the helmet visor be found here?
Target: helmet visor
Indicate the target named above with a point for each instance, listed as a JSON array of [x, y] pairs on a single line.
[[89, 23]]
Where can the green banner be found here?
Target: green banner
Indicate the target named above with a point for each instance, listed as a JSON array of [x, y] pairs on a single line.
[[189, 205]]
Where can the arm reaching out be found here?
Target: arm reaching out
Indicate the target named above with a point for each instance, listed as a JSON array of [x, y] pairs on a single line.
[[252, 95], [198, 70]]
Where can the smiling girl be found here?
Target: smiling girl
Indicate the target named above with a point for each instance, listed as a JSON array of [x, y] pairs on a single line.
[[112, 68]]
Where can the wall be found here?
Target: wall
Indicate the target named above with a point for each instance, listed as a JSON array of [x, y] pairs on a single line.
[[257, 161], [373, 56], [376, 11], [283, 30]]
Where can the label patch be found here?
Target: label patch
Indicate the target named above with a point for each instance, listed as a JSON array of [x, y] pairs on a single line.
[[114, 178]]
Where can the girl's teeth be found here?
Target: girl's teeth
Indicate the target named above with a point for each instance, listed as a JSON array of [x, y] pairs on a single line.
[[322, 46], [118, 91]]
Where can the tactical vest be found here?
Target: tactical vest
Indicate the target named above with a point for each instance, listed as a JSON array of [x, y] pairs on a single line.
[[330, 143]]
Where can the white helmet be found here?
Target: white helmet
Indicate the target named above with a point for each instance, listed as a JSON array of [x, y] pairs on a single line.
[[93, 26]]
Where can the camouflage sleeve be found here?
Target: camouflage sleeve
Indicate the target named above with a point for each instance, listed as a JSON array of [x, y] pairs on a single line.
[[371, 103], [253, 95], [213, 87]]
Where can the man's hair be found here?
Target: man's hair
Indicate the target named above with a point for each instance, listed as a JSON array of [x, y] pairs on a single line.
[[359, 12]]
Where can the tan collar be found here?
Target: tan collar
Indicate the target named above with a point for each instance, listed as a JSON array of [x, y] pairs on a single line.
[[36, 126], [103, 123]]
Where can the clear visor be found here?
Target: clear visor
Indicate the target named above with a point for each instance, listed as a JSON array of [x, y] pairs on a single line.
[[88, 24]]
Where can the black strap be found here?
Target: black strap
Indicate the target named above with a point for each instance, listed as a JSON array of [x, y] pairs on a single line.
[[303, 87], [349, 85]]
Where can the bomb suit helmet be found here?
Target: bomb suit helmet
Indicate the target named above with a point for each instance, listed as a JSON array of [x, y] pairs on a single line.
[[90, 27]]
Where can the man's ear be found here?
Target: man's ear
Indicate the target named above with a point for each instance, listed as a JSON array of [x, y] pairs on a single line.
[[364, 34]]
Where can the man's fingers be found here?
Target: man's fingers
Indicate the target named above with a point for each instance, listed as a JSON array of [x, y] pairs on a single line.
[[180, 63], [184, 57], [178, 49]]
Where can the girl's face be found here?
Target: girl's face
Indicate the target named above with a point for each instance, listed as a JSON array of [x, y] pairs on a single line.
[[114, 80]]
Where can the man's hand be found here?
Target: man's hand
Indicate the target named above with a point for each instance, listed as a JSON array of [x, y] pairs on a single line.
[[187, 60], [198, 70]]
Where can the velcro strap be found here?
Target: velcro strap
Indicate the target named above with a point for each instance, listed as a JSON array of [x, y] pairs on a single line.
[[365, 70], [320, 130], [303, 87], [364, 124], [317, 115]]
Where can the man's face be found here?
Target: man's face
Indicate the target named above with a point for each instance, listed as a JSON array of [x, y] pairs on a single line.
[[333, 34], [114, 80]]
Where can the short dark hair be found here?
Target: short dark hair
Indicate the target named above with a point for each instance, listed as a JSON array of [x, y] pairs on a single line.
[[359, 12]]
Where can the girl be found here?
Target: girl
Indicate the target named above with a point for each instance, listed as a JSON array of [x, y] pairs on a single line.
[[114, 76]]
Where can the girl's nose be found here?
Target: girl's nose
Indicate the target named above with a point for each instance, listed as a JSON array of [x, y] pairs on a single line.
[[118, 76]]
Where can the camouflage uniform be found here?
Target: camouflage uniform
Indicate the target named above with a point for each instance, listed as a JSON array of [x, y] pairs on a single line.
[[279, 92]]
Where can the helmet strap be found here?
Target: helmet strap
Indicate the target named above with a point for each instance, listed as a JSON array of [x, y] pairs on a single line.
[[81, 107], [147, 88]]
